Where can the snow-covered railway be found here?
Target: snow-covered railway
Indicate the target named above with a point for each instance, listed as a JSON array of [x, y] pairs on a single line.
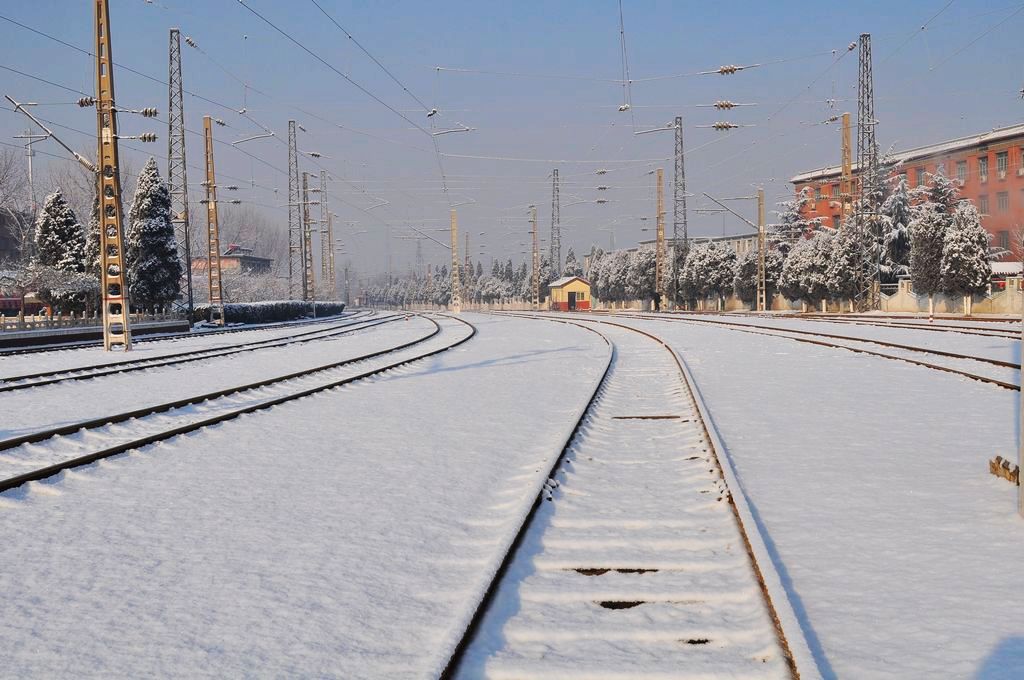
[[987, 369], [75, 346], [146, 361], [636, 560], [42, 453]]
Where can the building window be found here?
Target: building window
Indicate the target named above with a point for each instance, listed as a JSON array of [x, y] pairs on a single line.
[[1002, 163], [1004, 239], [983, 204], [835, 191], [983, 168], [835, 221], [1003, 201], [961, 171], [919, 177], [817, 192]]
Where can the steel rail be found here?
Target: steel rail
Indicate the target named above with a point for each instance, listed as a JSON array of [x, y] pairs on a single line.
[[50, 470], [12, 383], [773, 332], [753, 540], [157, 337]]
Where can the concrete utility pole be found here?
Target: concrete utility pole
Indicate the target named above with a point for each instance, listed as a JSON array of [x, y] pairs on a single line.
[[846, 179], [331, 271], [456, 295], [535, 280], [296, 281], [556, 227], [659, 252], [212, 231], [308, 283], [177, 176], [680, 235], [116, 325], [347, 297]]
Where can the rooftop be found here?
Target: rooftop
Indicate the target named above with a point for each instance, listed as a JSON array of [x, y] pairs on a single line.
[[949, 146]]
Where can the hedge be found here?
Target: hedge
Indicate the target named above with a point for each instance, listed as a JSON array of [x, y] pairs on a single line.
[[266, 312]]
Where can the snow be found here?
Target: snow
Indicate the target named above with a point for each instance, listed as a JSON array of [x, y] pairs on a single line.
[[634, 494], [327, 537], [77, 400], [59, 359], [870, 480]]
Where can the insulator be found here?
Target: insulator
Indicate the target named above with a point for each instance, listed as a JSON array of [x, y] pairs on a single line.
[[728, 69], [314, 154], [601, 200], [204, 201], [831, 119], [625, 107], [149, 112], [86, 101], [242, 111], [602, 188], [602, 172], [302, 128], [231, 187], [432, 112], [724, 125], [235, 201], [724, 105], [851, 47], [190, 42], [147, 137], [220, 122]]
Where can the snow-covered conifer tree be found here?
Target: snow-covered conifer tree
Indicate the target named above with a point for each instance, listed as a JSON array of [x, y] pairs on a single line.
[[60, 248], [154, 268], [965, 268], [572, 267], [745, 282], [927, 239], [896, 217]]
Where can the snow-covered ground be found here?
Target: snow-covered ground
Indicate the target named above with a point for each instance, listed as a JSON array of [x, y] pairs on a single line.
[[19, 364], [28, 410], [343, 535], [900, 551]]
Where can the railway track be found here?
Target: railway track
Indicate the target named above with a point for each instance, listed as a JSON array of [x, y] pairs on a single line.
[[44, 453], [639, 556], [90, 371], [936, 328], [1001, 373], [159, 337]]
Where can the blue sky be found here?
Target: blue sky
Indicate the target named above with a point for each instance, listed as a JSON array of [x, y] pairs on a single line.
[[930, 85]]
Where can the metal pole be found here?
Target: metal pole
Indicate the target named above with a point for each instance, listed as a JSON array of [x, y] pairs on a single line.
[[680, 235], [296, 288], [535, 281], [307, 243], [659, 252], [177, 176], [212, 231], [114, 289], [456, 295], [556, 227], [325, 245], [762, 279]]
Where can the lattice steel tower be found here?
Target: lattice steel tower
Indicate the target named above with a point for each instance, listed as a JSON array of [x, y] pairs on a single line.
[[296, 277], [867, 167], [680, 234], [116, 327], [556, 228], [177, 180]]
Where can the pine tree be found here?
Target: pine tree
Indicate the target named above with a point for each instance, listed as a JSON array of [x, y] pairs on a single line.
[[572, 267], [896, 218], [943, 192], [154, 267], [965, 268], [60, 254], [927, 238], [803, 274], [844, 273], [60, 239]]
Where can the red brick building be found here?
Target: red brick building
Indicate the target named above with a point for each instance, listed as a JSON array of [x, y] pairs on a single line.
[[988, 166]]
